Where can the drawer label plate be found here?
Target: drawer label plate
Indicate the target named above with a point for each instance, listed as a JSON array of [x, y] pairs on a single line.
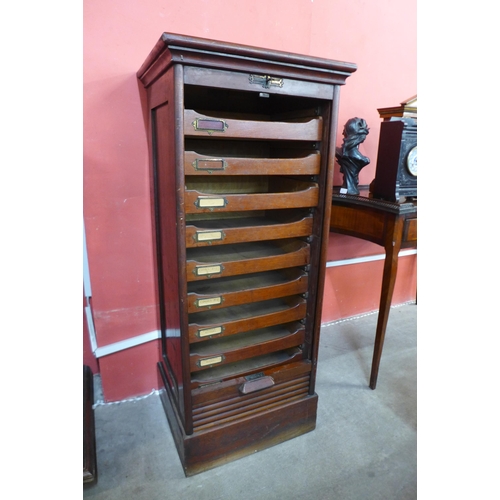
[[210, 361], [209, 235], [208, 332], [210, 202], [209, 164], [209, 125], [212, 301], [207, 270]]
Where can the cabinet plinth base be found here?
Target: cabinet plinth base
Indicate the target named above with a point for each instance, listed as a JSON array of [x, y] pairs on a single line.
[[204, 450]]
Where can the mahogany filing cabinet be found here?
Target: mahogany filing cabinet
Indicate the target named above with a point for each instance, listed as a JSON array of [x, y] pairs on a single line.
[[242, 144]]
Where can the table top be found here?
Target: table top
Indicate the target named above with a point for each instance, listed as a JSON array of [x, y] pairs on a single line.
[[365, 199]]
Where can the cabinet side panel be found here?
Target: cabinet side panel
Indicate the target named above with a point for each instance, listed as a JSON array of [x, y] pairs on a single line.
[[326, 181], [168, 262], [176, 137]]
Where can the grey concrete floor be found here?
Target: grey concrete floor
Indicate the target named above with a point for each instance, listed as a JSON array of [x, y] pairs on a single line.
[[364, 446]]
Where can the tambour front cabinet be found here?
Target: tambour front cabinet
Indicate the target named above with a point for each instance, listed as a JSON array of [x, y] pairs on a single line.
[[242, 145]]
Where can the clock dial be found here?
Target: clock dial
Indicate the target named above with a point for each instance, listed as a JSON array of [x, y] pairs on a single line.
[[411, 161]]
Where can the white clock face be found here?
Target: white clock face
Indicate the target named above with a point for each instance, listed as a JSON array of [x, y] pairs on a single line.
[[411, 161]]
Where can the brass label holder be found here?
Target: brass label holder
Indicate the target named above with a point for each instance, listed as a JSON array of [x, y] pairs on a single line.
[[209, 302], [210, 202], [209, 125], [208, 236], [208, 271], [209, 164], [209, 332], [208, 362]]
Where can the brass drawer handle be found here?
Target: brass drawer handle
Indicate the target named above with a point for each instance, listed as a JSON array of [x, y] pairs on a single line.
[[266, 81]]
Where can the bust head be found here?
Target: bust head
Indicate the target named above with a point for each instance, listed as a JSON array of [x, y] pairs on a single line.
[[355, 132]]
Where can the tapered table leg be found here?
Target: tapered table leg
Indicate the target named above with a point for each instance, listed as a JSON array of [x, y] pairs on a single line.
[[392, 248]]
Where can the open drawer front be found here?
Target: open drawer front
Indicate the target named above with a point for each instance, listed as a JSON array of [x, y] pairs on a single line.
[[236, 290], [246, 317], [233, 194], [226, 163], [199, 124], [248, 366], [227, 400], [245, 345], [202, 232], [245, 258]]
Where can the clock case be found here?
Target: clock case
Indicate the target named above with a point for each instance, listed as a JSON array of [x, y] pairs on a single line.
[[398, 136]]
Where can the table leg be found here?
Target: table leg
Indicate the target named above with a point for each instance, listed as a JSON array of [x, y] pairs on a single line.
[[392, 248]]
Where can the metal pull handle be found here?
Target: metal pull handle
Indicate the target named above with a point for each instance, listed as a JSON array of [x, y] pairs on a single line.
[[256, 383], [266, 80]]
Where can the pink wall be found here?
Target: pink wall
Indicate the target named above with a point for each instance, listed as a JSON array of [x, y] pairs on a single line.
[[380, 37]]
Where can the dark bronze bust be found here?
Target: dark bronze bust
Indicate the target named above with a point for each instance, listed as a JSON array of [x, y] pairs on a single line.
[[351, 161]]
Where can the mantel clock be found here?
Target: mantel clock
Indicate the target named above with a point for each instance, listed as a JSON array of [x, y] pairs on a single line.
[[396, 171]]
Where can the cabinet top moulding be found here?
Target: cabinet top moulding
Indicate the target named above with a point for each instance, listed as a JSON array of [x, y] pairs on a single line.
[[173, 48]]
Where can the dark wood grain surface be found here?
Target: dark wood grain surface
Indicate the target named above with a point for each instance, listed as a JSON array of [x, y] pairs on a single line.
[[242, 168]]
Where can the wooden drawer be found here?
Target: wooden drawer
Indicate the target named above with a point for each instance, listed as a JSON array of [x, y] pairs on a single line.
[[227, 292], [227, 350], [352, 221], [212, 398], [203, 164], [251, 82], [246, 366], [223, 402], [235, 194], [197, 124], [253, 316], [410, 230], [245, 258], [208, 232]]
